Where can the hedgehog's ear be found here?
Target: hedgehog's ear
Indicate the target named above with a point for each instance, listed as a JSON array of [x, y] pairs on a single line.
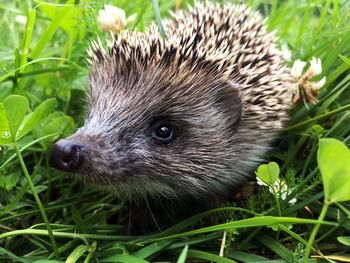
[[229, 102]]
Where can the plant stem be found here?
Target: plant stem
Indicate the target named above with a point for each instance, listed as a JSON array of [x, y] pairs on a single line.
[[60, 234], [279, 212], [158, 18], [37, 199], [314, 231], [317, 118], [91, 252]]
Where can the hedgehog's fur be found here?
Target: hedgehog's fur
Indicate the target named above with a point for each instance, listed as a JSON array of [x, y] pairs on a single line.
[[218, 75]]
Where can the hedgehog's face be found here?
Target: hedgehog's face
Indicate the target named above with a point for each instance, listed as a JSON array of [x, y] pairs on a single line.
[[156, 132]]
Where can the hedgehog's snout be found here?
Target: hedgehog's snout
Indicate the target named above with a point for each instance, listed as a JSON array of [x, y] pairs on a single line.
[[67, 156]]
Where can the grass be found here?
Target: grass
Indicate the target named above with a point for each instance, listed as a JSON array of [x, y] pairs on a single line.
[[46, 216]]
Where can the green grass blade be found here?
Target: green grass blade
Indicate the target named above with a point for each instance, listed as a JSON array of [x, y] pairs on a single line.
[[77, 253], [197, 254], [27, 36], [151, 249], [62, 13], [183, 256], [12, 256], [158, 18], [123, 259], [247, 223], [276, 247]]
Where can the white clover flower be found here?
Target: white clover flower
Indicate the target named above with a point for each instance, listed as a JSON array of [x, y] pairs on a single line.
[[303, 82], [260, 182], [112, 19], [280, 189], [315, 67], [294, 87], [297, 68], [293, 201], [318, 84], [283, 190]]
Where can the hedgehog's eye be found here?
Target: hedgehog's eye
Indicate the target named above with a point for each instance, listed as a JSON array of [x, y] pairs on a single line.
[[163, 132]]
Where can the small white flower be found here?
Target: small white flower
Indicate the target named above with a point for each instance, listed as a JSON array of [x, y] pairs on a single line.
[[260, 182], [293, 201], [297, 69], [280, 189], [276, 186], [294, 87], [284, 191], [318, 84], [112, 19], [315, 67], [301, 85], [22, 20]]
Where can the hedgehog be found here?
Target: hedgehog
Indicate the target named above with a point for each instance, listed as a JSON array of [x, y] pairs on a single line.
[[188, 116]]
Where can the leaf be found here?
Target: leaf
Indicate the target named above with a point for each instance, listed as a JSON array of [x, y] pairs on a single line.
[[257, 221], [183, 255], [55, 123], [197, 254], [4, 126], [333, 158], [8, 182], [5, 92], [317, 130], [33, 119], [345, 59], [276, 246], [16, 107], [12, 256], [247, 257], [77, 253], [341, 258], [268, 173], [58, 123], [38, 189], [47, 261], [60, 15], [123, 258], [344, 240], [151, 249], [158, 18]]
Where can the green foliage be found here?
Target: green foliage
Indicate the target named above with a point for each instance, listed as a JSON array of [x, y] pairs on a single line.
[[35, 118], [15, 107], [333, 159], [46, 217], [344, 240], [15, 123], [77, 253], [183, 255], [334, 162], [268, 173], [5, 136]]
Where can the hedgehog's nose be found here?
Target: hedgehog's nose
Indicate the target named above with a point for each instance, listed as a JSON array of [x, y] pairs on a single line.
[[66, 155]]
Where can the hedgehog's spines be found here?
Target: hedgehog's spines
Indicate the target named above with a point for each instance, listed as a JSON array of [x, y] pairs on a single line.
[[183, 42], [231, 41]]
